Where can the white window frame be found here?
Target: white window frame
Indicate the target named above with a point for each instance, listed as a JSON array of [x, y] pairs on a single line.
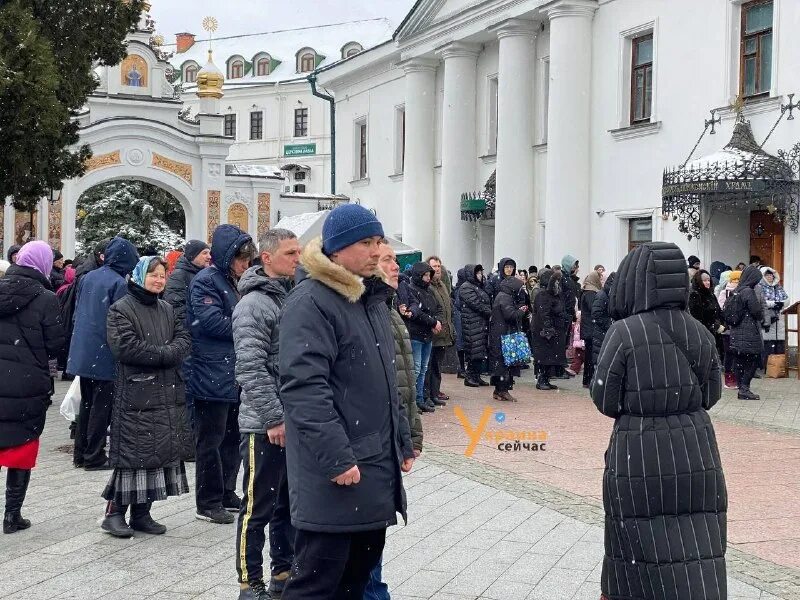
[[624, 74], [491, 114], [399, 141]]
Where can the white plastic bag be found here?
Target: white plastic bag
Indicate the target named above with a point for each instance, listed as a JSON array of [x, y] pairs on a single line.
[[71, 405]]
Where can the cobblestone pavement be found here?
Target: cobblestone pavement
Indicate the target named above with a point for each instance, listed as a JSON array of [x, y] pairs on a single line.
[[475, 531]]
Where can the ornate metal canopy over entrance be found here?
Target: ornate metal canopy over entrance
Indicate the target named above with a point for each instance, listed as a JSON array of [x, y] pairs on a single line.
[[741, 174], [479, 205]]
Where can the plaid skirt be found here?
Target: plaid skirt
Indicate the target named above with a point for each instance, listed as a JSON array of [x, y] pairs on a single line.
[[139, 486]]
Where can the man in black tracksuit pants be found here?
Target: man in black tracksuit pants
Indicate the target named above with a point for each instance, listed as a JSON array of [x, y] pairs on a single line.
[[347, 435], [261, 423]]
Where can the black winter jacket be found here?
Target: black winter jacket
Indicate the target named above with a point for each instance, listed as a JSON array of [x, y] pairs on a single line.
[[570, 291], [601, 318], [30, 335], [548, 333], [178, 285], [494, 280], [148, 423], [340, 400], [703, 305], [421, 303], [587, 325], [476, 308], [664, 491], [507, 317], [746, 336]]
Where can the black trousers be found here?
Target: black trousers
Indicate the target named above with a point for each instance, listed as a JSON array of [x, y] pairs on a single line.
[[333, 566], [265, 502], [17, 481], [588, 362], [216, 451], [433, 377], [745, 369], [474, 367], [97, 397]]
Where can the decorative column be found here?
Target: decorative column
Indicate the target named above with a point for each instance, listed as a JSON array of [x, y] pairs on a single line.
[[418, 218], [456, 246], [567, 204], [513, 222]]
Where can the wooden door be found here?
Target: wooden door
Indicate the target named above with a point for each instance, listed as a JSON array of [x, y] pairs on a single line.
[[766, 239]]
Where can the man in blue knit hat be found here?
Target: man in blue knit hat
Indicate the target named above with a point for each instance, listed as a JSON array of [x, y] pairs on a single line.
[[347, 435]]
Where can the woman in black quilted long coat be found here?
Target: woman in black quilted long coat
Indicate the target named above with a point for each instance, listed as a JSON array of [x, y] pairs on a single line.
[[663, 488], [476, 308]]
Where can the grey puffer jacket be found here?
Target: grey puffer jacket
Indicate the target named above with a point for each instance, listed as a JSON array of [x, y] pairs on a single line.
[[406, 382], [255, 338]]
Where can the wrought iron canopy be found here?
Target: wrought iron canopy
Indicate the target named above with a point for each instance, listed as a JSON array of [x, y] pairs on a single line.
[[479, 205], [742, 173]]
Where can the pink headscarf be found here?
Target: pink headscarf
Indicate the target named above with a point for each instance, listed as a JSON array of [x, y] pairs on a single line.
[[37, 255]]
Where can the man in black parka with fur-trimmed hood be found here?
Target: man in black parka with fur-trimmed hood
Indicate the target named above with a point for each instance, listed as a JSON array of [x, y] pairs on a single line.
[[664, 491]]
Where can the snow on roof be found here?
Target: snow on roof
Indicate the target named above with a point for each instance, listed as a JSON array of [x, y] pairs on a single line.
[[326, 40], [306, 226], [252, 170]]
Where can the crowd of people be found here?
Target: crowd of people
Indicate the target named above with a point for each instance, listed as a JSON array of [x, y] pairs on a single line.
[[272, 358]]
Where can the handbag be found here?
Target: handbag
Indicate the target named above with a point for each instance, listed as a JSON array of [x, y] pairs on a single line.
[[71, 404], [516, 351]]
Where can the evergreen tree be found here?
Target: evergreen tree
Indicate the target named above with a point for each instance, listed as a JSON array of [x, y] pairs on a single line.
[[147, 216], [48, 50]]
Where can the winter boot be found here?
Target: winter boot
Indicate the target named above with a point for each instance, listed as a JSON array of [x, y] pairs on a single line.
[[747, 394], [730, 381], [114, 522], [277, 583], [471, 381], [142, 521], [16, 487], [542, 383]]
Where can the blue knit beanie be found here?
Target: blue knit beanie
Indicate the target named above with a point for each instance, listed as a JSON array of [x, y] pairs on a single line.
[[346, 225]]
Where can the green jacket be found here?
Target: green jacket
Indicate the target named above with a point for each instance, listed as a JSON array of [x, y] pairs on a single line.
[[406, 382], [441, 290]]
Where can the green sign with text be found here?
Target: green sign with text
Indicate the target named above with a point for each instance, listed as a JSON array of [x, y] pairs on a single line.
[[299, 149]]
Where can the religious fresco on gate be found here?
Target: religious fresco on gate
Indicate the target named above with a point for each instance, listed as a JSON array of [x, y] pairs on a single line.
[[213, 212], [54, 223], [133, 71], [263, 213], [24, 229], [237, 215]]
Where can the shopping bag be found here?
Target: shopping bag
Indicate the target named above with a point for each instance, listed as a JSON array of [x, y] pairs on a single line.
[[776, 366], [71, 404], [516, 351]]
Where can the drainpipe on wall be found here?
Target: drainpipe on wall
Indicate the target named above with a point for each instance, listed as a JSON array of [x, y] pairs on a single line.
[[312, 79]]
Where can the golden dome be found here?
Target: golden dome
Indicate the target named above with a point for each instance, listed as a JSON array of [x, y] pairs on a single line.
[[210, 80]]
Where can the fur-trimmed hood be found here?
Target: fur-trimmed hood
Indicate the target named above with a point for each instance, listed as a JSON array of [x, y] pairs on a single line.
[[323, 269]]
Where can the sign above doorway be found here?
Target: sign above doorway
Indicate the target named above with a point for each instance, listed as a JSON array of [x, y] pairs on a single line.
[[299, 149]]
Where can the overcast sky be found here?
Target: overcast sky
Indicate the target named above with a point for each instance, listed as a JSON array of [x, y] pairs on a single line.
[[256, 16]]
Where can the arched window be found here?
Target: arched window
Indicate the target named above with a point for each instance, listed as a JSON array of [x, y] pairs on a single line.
[[352, 52], [236, 69], [351, 49], [190, 74], [307, 62], [262, 66]]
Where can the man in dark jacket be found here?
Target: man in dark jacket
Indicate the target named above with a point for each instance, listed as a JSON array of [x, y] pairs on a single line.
[[570, 291], [57, 273], [601, 318], [746, 340], [441, 288], [424, 320], [196, 257], [347, 435], [209, 311], [261, 422], [89, 354]]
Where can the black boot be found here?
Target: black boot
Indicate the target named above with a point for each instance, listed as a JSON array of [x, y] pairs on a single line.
[[16, 487], [142, 521], [114, 523], [472, 381]]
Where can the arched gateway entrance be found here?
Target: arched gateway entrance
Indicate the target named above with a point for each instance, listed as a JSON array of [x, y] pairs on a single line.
[[134, 126]]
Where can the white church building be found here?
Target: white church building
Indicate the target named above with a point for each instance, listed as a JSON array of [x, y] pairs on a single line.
[[558, 119]]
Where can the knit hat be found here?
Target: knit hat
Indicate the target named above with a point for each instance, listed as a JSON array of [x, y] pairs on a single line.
[[37, 255], [735, 276], [11, 252], [57, 255], [692, 261], [193, 248], [568, 263], [347, 224]]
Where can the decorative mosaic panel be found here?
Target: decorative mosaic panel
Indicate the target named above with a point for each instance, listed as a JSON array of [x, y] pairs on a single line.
[[237, 215], [133, 71], [213, 213], [24, 227], [99, 161], [182, 170], [263, 214], [54, 223]]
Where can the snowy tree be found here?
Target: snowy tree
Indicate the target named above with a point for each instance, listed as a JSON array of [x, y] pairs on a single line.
[[147, 216]]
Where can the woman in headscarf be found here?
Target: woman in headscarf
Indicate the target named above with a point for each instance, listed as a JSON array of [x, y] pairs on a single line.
[[664, 491], [704, 307], [509, 314], [548, 328], [149, 435], [591, 287], [30, 338]]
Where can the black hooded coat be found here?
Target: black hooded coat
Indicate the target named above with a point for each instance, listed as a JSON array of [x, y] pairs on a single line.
[[664, 491], [548, 332], [601, 318], [746, 336], [507, 317], [421, 303], [476, 308]]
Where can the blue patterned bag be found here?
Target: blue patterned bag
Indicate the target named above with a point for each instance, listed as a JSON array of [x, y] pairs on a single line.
[[516, 351]]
